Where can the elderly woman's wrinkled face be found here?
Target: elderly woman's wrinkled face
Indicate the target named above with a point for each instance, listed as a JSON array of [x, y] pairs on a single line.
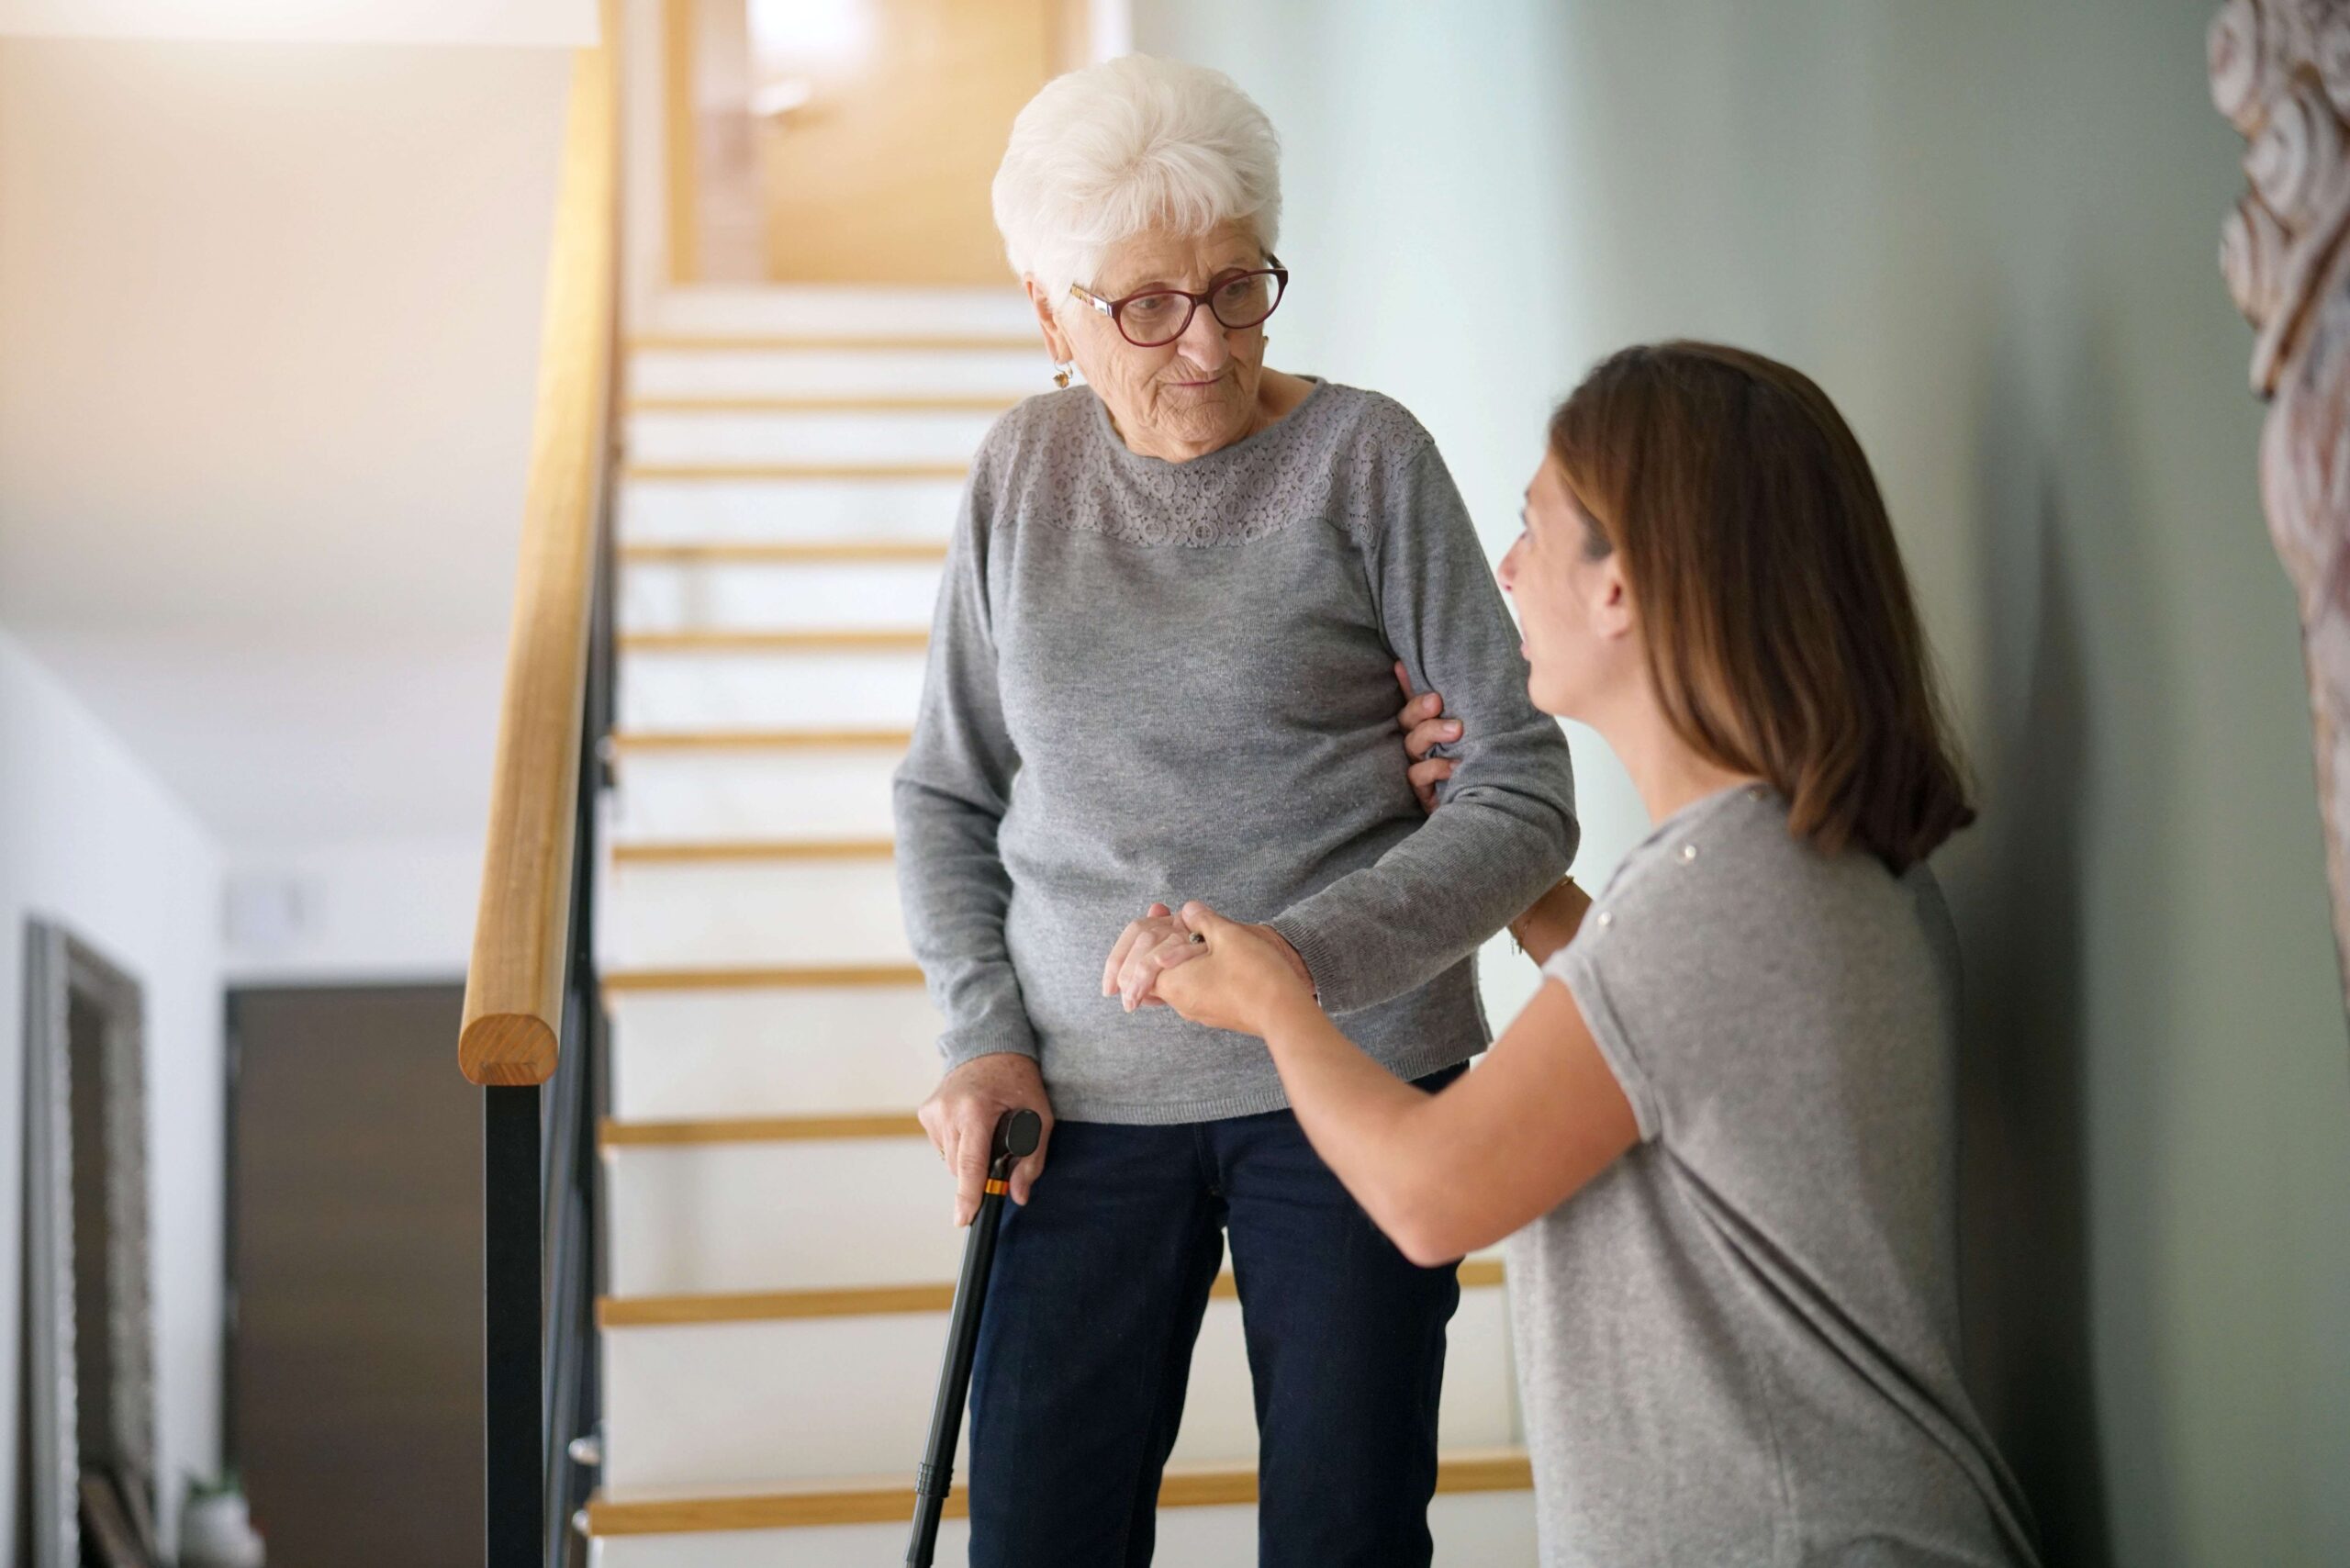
[[1185, 398]]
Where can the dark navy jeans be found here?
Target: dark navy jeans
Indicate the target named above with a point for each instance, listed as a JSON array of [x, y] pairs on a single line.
[[1086, 1347]]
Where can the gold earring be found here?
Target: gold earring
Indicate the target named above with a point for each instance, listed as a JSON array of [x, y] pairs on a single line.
[[1061, 377]]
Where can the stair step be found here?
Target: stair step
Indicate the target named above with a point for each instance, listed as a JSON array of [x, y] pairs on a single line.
[[717, 1220], [1473, 1529], [847, 342], [797, 369], [713, 1221], [735, 1403], [805, 910], [762, 1306], [702, 472], [617, 1134], [693, 690], [680, 851], [703, 786], [892, 312], [822, 403], [796, 508], [614, 1512], [795, 553], [815, 640], [761, 1052], [626, 742], [762, 977], [743, 594], [898, 439]]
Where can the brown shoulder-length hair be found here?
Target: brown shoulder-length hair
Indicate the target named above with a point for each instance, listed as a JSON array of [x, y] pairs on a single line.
[[1780, 631]]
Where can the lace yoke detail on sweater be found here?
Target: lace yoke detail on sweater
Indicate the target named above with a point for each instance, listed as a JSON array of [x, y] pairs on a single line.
[[1322, 463]]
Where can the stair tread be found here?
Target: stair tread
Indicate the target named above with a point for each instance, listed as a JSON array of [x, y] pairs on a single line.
[[865, 1301], [616, 1133], [788, 342], [840, 640], [756, 740], [891, 1499], [760, 471], [819, 552], [678, 851], [749, 977], [820, 403]]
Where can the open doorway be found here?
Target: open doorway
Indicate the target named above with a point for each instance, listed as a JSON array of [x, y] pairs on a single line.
[[827, 142], [86, 1409]]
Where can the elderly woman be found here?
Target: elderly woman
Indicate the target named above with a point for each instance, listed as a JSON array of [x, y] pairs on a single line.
[[1163, 668]]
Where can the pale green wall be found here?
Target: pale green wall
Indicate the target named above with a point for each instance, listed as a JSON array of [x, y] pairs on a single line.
[[1989, 228]]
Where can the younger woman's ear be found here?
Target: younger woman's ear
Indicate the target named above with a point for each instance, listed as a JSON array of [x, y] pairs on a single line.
[[1611, 599]]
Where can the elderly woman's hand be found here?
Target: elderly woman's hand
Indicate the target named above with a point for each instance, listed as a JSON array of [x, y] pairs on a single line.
[[1129, 971], [1425, 728], [960, 1117], [1148, 947], [1233, 977]]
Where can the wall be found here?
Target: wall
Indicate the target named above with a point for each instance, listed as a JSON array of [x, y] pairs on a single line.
[[90, 839], [386, 911], [1990, 230], [272, 316]]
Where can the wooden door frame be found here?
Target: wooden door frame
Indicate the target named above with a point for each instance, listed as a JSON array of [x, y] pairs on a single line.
[[58, 967]]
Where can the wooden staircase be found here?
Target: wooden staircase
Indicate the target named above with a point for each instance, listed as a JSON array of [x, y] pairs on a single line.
[[780, 1234]]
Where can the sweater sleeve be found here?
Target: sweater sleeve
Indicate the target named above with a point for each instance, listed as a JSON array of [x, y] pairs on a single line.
[[950, 796], [1507, 828]]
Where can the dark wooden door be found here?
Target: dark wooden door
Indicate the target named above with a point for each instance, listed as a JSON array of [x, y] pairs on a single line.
[[354, 1397]]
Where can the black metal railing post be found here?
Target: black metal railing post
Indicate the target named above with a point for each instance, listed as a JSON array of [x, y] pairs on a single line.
[[513, 1290]]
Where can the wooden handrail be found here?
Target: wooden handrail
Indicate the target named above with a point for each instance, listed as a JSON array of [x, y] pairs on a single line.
[[514, 988]]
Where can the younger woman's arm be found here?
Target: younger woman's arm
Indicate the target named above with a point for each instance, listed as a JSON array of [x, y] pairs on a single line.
[[1443, 1174]]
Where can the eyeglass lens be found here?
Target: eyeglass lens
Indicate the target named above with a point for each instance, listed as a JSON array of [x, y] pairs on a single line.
[[1150, 319]]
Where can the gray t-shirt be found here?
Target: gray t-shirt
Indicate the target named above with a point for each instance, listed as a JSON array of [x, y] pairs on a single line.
[[1739, 1344], [1157, 680]]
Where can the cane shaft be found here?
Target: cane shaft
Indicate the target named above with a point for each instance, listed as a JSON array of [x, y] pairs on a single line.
[[1015, 1137]]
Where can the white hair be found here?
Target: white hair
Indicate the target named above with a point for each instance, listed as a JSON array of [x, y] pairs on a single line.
[[1104, 152]]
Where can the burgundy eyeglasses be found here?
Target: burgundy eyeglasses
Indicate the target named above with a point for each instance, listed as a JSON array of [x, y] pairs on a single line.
[[1157, 317]]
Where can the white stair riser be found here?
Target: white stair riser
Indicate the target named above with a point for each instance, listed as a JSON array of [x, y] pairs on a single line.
[[713, 913], [772, 1052], [728, 436], [812, 1214], [808, 1216], [690, 511], [838, 373], [720, 1405], [769, 690], [836, 310], [779, 595], [1473, 1529], [782, 793]]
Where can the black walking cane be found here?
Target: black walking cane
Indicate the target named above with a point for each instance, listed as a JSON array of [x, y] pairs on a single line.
[[1016, 1136]]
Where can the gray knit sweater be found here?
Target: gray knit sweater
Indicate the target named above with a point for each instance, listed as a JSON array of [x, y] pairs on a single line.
[[1163, 681]]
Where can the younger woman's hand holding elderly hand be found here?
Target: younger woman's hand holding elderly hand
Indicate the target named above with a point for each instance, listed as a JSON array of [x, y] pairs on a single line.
[[1232, 977], [1148, 947]]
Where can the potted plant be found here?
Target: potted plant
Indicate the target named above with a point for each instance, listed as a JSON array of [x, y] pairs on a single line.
[[216, 1528]]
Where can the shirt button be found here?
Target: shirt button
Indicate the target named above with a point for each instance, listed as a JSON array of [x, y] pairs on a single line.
[[1688, 852], [1607, 917]]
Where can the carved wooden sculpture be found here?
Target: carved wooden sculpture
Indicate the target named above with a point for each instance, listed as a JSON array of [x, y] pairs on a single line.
[[2280, 72]]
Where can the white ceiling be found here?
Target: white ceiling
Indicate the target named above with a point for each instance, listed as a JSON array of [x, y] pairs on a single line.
[[546, 23], [268, 334]]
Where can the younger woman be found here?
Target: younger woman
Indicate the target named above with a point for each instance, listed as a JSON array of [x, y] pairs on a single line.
[[1720, 1137]]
